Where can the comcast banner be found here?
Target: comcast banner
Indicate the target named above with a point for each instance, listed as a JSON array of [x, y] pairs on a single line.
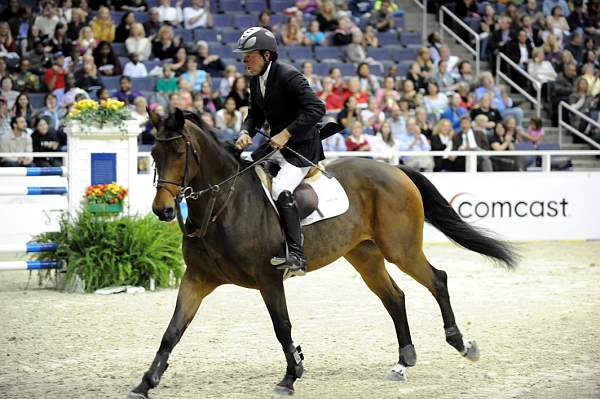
[[524, 206]]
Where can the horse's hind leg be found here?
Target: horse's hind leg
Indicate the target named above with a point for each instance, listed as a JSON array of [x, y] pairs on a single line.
[[191, 293], [369, 262]]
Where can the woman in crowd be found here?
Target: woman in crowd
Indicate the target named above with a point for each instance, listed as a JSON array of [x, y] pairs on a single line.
[[368, 82], [60, 41], [435, 102], [349, 114], [334, 102], [106, 60], [86, 41], [387, 95], [103, 26], [441, 140], [240, 93], [228, 120], [313, 80], [22, 107], [557, 24], [327, 16], [45, 139], [123, 31], [291, 35], [138, 43], [357, 141], [163, 45]]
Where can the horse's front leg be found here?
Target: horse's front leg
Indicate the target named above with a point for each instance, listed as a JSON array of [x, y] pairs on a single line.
[[191, 293], [274, 296]]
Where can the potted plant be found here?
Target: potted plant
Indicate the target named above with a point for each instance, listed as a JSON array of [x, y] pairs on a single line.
[[105, 198], [110, 112]]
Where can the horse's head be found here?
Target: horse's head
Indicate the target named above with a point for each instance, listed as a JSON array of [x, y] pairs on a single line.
[[176, 158]]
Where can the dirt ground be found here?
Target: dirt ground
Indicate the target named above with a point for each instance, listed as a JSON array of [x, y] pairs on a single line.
[[538, 329]]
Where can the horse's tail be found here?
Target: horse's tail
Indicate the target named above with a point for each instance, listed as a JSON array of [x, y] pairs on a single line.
[[442, 216]]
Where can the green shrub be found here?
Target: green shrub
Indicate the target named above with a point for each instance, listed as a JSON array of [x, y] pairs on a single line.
[[117, 251]]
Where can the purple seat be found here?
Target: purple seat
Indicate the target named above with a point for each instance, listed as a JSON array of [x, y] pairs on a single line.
[[255, 6], [141, 17], [223, 51], [208, 35], [230, 36], [401, 54], [399, 23], [280, 6], [221, 20], [228, 6], [388, 38], [299, 53], [36, 100], [412, 39], [244, 22], [346, 69], [119, 49], [320, 69], [379, 54], [322, 53], [111, 82], [185, 34], [143, 84], [151, 64], [116, 16]]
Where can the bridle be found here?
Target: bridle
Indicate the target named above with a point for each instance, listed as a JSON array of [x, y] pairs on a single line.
[[187, 191]]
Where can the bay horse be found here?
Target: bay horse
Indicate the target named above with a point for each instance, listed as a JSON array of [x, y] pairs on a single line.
[[388, 207]]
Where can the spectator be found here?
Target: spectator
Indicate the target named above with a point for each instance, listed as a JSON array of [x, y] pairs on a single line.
[[487, 23], [454, 112], [575, 46], [441, 140], [291, 35], [533, 33], [228, 120], [106, 60], [135, 68], [519, 51], [194, 75], [343, 34], [44, 139], [47, 20], [485, 107], [372, 117], [424, 62], [17, 140], [410, 94], [153, 25], [384, 133], [535, 132], [483, 124], [24, 79], [172, 16], [383, 19], [549, 5], [131, 5], [211, 63], [314, 36], [123, 31], [86, 77], [211, 101], [467, 139], [103, 26], [557, 23], [539, 69], [583, 101], [503, 140], [465, 73], [264, 20], [86, 41], [339, 86], [180, 61], [313, 80], [77, 23], [334, 102], [163, 45], [335, 142], [466, 99], [368, 82], [591, 76], [498, 39], [51, 112], [349, 114], [466, 9], [354, 52], [227, 80], [68, 94], [198, 15], [6, 90], [126, 92], [138, 43], [578, 19], [240, 93], [387, 95], [4, 118], [500, 98], [7, 43], [424, 122], [168, 82], [532, 10], [443, 78], [357, 141], [326, 16], [354, 90], [11, 10], [435, 102], [415, 75], [370, 37], [435, 43], [413, 140], [54, 78], [566, 58]]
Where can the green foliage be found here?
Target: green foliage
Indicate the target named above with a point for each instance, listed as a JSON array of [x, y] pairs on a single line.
[[117, 251]]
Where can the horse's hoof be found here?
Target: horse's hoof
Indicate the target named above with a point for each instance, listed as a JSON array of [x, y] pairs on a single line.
[[135, 395], [471, 351], [283, 391], [397, 373]]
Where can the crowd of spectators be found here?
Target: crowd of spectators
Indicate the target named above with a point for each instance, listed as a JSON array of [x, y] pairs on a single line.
[[71, 50]]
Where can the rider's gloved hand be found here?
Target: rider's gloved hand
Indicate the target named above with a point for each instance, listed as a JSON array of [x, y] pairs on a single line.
[[243, 141]]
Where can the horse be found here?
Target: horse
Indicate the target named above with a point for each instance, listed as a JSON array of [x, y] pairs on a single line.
[[388, 207]]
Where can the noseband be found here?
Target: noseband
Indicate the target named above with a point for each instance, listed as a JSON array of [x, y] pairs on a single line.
[[187, 191]]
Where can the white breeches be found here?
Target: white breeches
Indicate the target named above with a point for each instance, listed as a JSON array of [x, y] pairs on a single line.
[[289, 176]]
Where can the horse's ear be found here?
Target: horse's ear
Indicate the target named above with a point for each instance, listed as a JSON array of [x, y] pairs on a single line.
[[179, 118], [155, 118]]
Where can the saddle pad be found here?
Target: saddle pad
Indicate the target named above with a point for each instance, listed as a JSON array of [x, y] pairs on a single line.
[[333, 200]]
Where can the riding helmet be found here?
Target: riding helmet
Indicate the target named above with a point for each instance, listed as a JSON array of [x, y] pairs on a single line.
[[256, 38]]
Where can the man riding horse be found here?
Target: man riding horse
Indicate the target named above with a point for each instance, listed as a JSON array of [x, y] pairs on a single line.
[[282, 97]]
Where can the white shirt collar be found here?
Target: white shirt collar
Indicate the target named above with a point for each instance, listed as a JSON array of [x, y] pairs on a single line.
[[263, 79]]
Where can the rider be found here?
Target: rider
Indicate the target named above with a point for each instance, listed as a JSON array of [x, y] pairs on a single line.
[[282, 97]]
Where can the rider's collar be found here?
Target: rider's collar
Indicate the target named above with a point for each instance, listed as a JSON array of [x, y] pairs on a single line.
[[265, 72]]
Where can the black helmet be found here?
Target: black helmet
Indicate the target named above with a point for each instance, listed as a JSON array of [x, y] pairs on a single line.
[[256, 38]]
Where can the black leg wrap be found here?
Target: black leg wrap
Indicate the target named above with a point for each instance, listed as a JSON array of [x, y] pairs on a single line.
[[294, 358], [152, 376], [455, 338], [408, 356]]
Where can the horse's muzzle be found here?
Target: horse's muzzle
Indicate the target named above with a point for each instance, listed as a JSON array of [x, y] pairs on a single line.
[[166, 214]]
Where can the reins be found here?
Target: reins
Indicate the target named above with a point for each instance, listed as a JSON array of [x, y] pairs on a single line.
[[187, 191]]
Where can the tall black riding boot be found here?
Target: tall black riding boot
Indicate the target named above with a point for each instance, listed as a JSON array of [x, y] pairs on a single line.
[[288, 213]]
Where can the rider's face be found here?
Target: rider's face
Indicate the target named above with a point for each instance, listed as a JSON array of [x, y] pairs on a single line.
[[254, 62]]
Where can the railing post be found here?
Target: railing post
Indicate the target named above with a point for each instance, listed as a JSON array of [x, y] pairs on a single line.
[[441, 20], [424, 31], [539, 100], [478, 55], [560, 124], [546, 163], [498, 62], [471, 163]]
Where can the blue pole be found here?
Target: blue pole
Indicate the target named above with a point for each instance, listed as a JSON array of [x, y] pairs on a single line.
[[41, 246], [49, 171], [46, 190], [43, 264]]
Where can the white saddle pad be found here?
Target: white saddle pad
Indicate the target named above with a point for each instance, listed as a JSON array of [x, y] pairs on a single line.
[[333, 200]]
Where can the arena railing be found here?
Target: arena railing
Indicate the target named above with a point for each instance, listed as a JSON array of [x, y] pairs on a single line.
[[562, 124], [475, 52], [536, 84], [422, 4]]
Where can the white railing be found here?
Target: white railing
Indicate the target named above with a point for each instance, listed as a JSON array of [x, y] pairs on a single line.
[[422, 4], [561, 124], [471, 156], [475, 52], [536, 84]]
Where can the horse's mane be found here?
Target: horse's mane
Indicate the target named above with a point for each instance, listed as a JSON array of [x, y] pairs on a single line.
[[230, 149]]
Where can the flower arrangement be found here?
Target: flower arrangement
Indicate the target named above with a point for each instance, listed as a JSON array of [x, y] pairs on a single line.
[[105, 112], [105, 194]]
